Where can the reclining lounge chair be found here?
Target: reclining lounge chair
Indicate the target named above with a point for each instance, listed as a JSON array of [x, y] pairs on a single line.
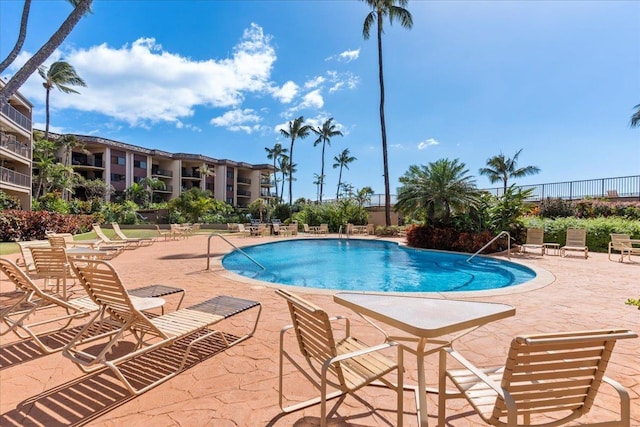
[[190, 326]]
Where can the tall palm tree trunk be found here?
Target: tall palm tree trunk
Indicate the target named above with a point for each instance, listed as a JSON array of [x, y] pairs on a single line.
[[339, 182], [291, 174], [44, 52], [46, 128], [322, 173], [383, 128]]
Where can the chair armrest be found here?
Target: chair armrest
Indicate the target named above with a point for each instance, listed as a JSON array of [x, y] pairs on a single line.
[[325, 365], [475, 371]]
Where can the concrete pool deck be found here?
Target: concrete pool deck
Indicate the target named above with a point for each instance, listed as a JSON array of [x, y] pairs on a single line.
[[238, 386]]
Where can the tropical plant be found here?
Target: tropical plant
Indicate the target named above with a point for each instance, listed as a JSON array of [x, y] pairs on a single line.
[[318, 180], [363, 196], [297, 129], [504, 214], [501, 168], [7, 201], [438, 189], [394, 10], [275, 154], [193, 204], [205, 171], [136, 193], [342, 161], [43, 160], [635, 118], [62, 76], [325, 133], [81, 7], [94, 188]]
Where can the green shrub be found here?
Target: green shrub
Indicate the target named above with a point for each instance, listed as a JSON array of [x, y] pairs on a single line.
[[598, 229], [8, 201]]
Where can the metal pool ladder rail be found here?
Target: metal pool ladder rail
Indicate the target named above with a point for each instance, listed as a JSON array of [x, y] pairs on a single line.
[[237, 248], [493, 240]]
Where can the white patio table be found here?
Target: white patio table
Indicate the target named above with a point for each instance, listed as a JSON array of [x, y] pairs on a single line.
[[428, 321]]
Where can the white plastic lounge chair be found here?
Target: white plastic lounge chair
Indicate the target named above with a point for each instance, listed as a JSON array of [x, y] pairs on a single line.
[[576, 241], [190, 326], [548, 380], [624, 244], [345, 364], [535, 240], [323, 229], [134, 240]]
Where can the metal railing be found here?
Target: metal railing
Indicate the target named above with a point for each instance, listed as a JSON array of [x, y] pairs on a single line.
[[212, 235], [11, 143], [17, 117], [502, 233], [15, 178]]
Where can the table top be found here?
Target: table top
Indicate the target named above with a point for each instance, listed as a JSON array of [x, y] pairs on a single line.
[[424, 317]]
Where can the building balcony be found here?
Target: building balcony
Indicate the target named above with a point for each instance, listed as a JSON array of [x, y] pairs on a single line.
[[244, 193], [246, 181], [17, 117], [9, 176], [161, 172], [11, 143]]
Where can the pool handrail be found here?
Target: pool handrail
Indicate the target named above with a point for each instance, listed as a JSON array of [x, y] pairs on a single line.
[[493, 240], [237, 248]]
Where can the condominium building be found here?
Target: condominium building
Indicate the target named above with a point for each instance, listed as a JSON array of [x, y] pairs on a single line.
[[121, 164], [15, 148]]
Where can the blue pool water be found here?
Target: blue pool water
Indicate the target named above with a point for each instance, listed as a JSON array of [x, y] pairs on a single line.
[[364, 265]]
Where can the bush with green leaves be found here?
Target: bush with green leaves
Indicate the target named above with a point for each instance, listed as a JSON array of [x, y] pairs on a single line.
[[51, 202], [8, 201], [335, 214], [598, 229], [196, 205]]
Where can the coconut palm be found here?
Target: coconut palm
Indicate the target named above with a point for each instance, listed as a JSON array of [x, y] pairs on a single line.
[[394, 10], [60, 75], [22, 35], [438, 189], [635, 119], [317, 181], [81, 8], [297, 129], [205, 171], [325, 133], [150, 184], [501, 168], [342, 161], [274, 154]]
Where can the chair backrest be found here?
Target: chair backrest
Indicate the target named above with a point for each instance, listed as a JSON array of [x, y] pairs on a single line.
[[313, 332], [324, 228], [557, 372], [24, 283], [100, 233], [275, 221], [118, 231], [276, 227], [27, 258], [305, 227], [535, 236], [241, 228], [620, 240], [576, 237], [51, 262], [102, 283], [60, 240]]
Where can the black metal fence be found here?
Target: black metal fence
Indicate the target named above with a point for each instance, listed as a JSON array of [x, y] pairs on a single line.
[[624, 187]]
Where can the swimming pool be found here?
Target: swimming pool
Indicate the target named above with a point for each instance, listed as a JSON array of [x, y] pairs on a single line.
[[365, 265]]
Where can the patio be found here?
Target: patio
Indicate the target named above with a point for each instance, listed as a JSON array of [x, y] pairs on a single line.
[[238, 386]]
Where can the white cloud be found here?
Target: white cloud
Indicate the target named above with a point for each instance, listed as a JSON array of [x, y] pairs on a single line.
[[142, 83], [346, 56], [342, 80], [286, 93], [238, 120], [428, 143], [315, 82], [349, 55]]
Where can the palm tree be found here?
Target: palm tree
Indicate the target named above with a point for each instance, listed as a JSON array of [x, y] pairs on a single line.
[[395, 10], [283, 167], [22, 35], [43, 160], [205, 171], [342, 161], [60, 75], [150, 185], [635, 119], [81, 8], [274, 154], [325, 133], [297, 129], [318, 180], [501, 168], [438, 189]]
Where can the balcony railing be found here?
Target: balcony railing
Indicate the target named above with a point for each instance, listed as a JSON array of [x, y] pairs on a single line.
[[11, 143], [17, 117], [244, 180], [87, 162], [161, 172], [15, 178]]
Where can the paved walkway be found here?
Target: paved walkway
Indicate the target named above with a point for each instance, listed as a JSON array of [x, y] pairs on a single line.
[[238, 387]]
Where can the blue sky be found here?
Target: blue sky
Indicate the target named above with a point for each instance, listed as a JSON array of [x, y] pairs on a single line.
[[472, 79]]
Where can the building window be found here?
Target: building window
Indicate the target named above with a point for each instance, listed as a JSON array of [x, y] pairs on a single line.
[[116, 177], [142, 164], [229, 188], [117, 160], [230, 200]]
